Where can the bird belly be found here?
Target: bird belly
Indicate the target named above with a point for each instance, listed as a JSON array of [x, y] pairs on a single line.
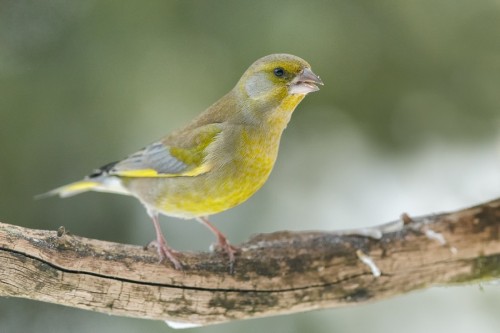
[[224, 186], [203, 195]]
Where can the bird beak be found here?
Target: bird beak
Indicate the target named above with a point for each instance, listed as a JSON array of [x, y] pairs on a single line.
[[305, 82]]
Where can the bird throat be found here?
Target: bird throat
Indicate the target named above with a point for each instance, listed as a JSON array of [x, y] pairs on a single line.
[[279, 118]]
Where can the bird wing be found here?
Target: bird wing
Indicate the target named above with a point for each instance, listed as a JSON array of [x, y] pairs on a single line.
[[160, 159]]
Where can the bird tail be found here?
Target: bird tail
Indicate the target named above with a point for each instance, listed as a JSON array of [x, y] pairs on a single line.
[[71, 189]]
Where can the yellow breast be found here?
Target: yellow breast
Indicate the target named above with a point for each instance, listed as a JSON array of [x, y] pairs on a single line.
[[248, 157], [223, 187]]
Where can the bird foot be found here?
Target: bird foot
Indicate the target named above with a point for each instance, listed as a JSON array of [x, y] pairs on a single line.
[[231, 250], [222, 242], [166, 252]]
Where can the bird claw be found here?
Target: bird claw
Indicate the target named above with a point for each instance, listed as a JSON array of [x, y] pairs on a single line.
[[222, 242], [165, 252], [230, 250]]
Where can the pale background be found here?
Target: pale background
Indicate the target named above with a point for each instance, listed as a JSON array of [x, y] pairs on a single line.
[[408, 121]]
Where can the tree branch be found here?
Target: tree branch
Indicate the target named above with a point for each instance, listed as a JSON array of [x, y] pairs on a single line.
[[282, 272]]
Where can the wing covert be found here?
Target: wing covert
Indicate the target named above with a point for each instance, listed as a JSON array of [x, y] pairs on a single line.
[[160, 159]]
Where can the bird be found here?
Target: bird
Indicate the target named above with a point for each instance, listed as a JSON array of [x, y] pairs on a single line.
[[215, 162]]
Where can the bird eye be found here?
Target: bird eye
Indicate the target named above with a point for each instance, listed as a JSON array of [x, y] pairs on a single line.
[[279, 72]]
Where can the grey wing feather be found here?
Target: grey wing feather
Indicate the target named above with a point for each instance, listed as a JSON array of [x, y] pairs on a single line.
[[155, 156]]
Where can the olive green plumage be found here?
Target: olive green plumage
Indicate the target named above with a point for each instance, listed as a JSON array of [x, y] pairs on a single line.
[[220, 158]]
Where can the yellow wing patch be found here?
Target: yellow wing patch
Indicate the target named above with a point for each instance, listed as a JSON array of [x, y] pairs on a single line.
[[162, 161], [151, 173]]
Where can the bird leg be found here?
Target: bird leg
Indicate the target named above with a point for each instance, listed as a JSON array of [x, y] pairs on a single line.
[[223, 243], [164, 251]]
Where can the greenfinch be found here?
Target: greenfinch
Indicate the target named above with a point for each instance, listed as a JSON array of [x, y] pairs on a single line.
[[219, 159]]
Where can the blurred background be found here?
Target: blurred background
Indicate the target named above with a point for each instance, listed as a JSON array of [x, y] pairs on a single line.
[[408, 121]]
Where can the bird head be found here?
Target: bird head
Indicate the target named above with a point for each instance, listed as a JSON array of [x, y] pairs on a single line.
[[276, 76]]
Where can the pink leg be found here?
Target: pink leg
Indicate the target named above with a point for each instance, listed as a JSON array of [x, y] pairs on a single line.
[[164, 251], [231, 250]]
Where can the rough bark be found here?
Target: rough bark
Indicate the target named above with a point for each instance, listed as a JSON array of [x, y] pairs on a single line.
[[282, 272]]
